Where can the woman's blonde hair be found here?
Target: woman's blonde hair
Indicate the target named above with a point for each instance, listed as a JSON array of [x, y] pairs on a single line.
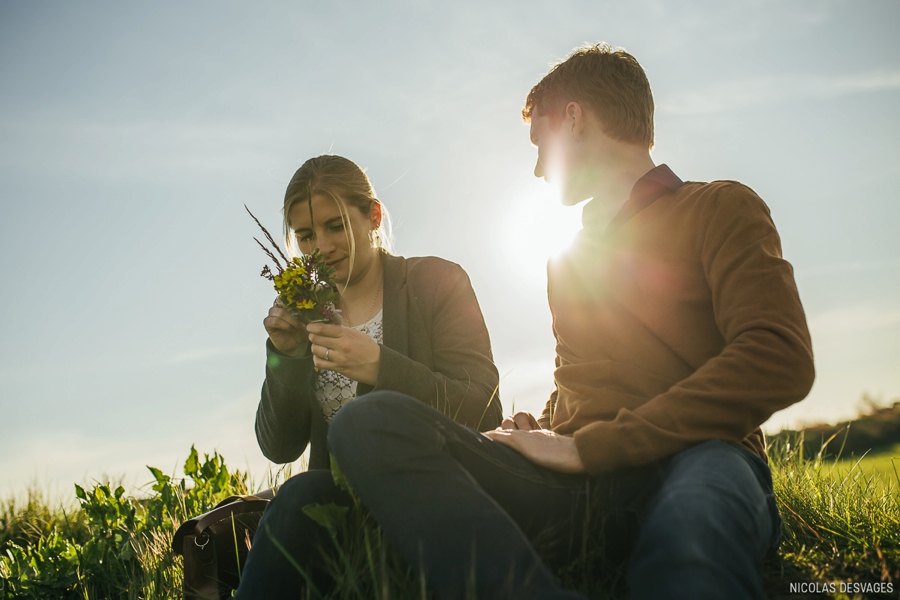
[[343, 181]]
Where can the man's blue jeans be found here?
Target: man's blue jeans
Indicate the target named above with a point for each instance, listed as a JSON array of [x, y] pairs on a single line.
[[468, 511]]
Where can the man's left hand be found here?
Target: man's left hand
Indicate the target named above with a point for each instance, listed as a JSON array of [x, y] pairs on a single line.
[[542, 447]]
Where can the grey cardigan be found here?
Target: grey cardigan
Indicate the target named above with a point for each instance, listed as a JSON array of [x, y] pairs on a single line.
[[436, 348]]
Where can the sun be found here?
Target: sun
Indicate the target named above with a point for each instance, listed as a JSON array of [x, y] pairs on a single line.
[[539, 227]]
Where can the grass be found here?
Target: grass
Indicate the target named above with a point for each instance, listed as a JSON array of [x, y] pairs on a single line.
[[885, 465], [841, 523]]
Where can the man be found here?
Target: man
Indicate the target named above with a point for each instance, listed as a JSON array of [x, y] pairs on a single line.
[[679, 332]]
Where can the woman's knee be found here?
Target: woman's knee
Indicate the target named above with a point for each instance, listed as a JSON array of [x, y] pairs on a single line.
[[379, 431], [373, 411]]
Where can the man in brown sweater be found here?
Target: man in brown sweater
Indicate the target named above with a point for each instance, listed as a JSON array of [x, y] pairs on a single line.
[[679, 331]]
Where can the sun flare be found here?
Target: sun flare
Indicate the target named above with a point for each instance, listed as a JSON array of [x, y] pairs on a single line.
[[539, 227]]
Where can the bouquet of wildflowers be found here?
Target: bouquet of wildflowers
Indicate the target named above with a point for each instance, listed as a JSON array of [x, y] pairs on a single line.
[[304, 284]]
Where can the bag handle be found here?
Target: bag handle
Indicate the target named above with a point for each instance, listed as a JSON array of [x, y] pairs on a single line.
[[231, 506]]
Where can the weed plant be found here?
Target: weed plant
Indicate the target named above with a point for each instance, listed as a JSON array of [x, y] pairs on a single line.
[[840, 524]]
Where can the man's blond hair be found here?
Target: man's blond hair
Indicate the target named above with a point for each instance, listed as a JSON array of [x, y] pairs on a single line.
[[607, 81]]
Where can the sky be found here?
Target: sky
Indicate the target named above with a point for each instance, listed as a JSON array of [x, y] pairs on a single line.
[[132, 134]]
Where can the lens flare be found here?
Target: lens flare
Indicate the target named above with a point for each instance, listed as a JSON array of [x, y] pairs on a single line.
[[539, 227]]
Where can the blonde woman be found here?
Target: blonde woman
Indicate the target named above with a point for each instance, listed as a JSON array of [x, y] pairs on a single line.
[[410, 325]]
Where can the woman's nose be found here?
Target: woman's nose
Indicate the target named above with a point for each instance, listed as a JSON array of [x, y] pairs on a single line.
[[325, 244]]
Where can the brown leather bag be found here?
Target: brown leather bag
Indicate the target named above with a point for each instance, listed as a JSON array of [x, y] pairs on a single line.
[[215, 545]]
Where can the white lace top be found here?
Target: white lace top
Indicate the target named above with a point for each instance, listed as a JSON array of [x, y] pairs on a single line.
[[333, 390]]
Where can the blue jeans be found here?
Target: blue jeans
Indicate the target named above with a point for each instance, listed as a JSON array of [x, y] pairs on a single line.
[[288, 547], [468, 512]]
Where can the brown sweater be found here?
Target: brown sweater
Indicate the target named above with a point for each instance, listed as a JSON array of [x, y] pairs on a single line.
[[676, 325]]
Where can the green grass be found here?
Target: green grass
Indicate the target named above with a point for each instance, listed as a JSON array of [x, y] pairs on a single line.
[[884, 465], [841, 522]]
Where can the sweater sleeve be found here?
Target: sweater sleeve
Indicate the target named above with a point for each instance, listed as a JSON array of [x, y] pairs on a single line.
[[464, 383], [546, 418], [765, 365], [283, 419]]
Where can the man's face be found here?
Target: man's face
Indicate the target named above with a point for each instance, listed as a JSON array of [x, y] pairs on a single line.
[[543, 137], [557, 154]]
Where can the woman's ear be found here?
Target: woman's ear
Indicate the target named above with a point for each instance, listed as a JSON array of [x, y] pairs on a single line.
[[376, 215]]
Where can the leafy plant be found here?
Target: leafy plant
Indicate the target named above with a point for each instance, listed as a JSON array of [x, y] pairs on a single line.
[[121, 547]]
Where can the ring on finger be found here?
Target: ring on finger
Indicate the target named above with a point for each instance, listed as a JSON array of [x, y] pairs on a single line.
[[327, 350]]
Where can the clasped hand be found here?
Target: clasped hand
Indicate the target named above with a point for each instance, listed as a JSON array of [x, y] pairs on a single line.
[[522, 433], [287, 332], [348, 351]]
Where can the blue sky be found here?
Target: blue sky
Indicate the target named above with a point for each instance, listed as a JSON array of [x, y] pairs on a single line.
[[132, 134]]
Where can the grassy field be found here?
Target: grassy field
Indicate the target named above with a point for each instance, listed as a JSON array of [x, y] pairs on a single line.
[[841, 523], [884, 465]]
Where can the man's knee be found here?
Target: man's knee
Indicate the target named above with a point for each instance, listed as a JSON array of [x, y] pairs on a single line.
[[713, 496], [687, 517], [702, 541]]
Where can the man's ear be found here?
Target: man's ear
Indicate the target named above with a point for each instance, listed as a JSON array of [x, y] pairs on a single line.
[[574, 118], [376, 215]]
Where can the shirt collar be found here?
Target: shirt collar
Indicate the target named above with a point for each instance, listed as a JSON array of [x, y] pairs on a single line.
[[654, 184]]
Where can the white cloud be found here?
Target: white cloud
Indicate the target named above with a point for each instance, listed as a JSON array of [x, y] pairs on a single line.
[[744, 93]]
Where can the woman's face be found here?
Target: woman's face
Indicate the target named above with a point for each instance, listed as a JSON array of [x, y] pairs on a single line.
[[330, 233]]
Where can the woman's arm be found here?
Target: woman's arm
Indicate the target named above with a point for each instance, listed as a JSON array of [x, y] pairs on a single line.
[[464, 383], [283, 417]]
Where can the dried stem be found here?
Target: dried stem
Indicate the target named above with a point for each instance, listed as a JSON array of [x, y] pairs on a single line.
[[271, 241], [272, 256]]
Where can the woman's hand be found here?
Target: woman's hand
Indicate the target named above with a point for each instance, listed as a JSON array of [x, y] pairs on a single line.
[[521, 420], [287, 332], [350, 352]]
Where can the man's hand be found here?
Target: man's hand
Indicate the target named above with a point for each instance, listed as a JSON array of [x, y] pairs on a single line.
[[521, 420], [542, 447]]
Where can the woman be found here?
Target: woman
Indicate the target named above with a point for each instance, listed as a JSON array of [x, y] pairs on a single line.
[[410, 325]]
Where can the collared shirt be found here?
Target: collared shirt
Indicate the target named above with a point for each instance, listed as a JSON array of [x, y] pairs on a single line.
[[675, 323], [656, 183]]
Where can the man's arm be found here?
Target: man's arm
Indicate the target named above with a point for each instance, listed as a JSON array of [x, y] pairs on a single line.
[[546, 418], [766, 363]]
